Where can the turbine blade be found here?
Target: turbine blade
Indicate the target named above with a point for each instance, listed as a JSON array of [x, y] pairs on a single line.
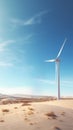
[[53, 60], [62, 47]]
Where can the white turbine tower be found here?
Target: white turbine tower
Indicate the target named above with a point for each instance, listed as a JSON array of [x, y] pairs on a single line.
[[57, 61]]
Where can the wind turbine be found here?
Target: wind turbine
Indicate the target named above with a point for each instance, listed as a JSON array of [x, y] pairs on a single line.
[[57, 62]]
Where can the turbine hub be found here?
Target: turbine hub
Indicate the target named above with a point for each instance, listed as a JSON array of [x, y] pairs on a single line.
[[57, 60]]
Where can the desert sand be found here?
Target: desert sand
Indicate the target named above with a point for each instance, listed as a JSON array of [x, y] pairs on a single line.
[[50, 115]]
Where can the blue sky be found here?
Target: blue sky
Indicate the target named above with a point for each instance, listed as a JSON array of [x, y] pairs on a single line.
[[32, 31]]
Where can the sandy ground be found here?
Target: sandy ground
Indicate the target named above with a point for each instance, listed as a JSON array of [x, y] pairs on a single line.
[[52, 115]]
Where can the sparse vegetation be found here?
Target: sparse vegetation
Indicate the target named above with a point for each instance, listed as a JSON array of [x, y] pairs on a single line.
[[61, 120], [30, 112], [31, 123], [25, 101], [26, 104], [1, 120], [15, 107], [24, 110], [52, 115], [63, 113], [26, 118], [57, 128], [5, 110], [31, 109]]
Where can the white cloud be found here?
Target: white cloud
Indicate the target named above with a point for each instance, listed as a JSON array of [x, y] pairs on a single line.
[[46, 81], [4, 64], [17, 21], [0, 39], [27, 69], [68, 83], [26, 39], [7, 57], [5, 60], [16, 90], [4, 44], [36, 19]]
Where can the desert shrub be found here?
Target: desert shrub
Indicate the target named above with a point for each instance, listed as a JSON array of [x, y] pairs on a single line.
[[5, 110], [52, 115]]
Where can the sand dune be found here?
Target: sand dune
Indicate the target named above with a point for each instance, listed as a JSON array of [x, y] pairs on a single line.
[[50, 115]]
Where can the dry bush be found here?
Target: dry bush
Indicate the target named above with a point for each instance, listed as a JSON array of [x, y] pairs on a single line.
[[30, 112], [5, 110], [31, 109], [5, 102], [15, 107], [1, 120], [61, 120], [26, 104], [63, 113], [26, 118], [15, 101], [52, 115], [24, 110], [31, 123], [56, 128]]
